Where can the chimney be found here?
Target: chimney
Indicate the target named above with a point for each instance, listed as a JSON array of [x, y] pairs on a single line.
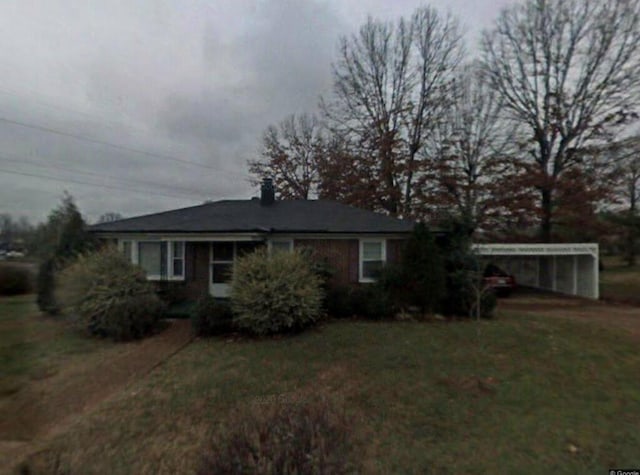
[[267, 192]]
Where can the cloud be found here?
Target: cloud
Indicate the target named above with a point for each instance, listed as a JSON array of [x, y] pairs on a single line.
[[194, 80]]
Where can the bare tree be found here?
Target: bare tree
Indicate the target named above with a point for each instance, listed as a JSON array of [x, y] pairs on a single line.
[[472, 145], [109, 217], [391, 81], [12, 229], [626, 154], [290, 155], [568, 71]]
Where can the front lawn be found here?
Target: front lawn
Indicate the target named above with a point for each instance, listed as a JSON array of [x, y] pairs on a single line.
[[33, 346], [514, 395]]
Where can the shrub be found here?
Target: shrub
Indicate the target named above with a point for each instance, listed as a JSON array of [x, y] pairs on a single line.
[[211, 317], [45, 285], [464, 277], [108, 296], [272, 294], [311, 438], [463, 295], [424, 271], [339, 302], [373, 301], [14, 280]]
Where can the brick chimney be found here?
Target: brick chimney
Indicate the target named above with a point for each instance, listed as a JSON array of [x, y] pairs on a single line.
[[267, 192]]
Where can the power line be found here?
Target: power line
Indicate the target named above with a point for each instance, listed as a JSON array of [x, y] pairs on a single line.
[[78, 182], [15, 159], [51, 105], [115, 146]]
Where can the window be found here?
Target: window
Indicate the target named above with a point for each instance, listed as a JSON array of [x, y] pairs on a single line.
[[177, 259], [281, 245], [372, 259], [126, 249], [150, 256], [159, 259], [222, 254], [247, 247]]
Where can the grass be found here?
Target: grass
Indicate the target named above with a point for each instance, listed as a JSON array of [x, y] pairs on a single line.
[[33, 346], [513, 395], [619, 281]]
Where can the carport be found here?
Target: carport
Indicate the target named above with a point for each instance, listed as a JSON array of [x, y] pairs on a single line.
[[566, 268]]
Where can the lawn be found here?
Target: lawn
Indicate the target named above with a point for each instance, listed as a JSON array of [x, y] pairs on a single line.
[[618, 281], [512, 395], [33, 346]]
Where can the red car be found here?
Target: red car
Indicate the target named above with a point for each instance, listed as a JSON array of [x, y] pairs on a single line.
[[499, 280]]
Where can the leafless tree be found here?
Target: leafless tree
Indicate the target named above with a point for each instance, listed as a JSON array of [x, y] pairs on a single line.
[[109, 217], [290, 155], [391, 81], [626, 155], [472, 145], [569, 72]]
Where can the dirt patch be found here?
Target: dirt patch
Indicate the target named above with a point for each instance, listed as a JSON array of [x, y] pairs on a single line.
[[622, 316], [48, 406]]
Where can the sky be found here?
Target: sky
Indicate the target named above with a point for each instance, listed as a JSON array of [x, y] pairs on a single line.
[[141, 106]]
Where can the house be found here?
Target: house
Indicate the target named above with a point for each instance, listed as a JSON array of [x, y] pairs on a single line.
[[197, 246]]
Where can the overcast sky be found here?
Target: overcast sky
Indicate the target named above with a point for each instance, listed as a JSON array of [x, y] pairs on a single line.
[[163, 101]]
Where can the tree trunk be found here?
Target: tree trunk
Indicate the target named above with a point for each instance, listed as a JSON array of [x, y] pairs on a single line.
[[547, 213]]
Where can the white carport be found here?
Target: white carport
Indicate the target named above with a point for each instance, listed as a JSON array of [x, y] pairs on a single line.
[[566, 268]]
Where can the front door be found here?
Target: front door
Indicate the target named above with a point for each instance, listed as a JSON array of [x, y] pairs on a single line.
[[222, 255]]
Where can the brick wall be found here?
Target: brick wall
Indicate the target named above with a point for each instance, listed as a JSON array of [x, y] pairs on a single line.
[[342, 255], [394, 250]]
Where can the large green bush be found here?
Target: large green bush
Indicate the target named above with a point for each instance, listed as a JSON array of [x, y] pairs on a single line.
[[416, 281], [108, 296], [370, 301], [278, 439], [211, 316], [464, 276], [14, 280], [272, 294], [45, 285], [424, 271], [56, 242]]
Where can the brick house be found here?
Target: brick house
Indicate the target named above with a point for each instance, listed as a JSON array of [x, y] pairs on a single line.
[[196, 247]]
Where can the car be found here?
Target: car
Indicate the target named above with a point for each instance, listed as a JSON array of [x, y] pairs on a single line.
[[499, 280], [15, 254]]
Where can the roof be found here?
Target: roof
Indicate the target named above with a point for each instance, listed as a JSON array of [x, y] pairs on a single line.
[[240, 216]]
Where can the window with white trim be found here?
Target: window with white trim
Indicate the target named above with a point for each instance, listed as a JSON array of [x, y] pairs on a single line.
[[126, 248], [177, 259], [150, 258], [373, 255], [281, 245], [222, 257], [159, 259]]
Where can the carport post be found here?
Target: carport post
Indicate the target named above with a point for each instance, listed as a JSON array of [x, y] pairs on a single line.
[[575, 275], [596, 273]]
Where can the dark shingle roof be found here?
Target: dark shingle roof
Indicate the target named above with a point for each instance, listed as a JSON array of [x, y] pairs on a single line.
[[301, 216]]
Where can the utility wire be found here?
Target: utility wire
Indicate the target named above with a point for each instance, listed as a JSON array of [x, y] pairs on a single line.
[[79, 182], [115, 146], [15, 159]]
